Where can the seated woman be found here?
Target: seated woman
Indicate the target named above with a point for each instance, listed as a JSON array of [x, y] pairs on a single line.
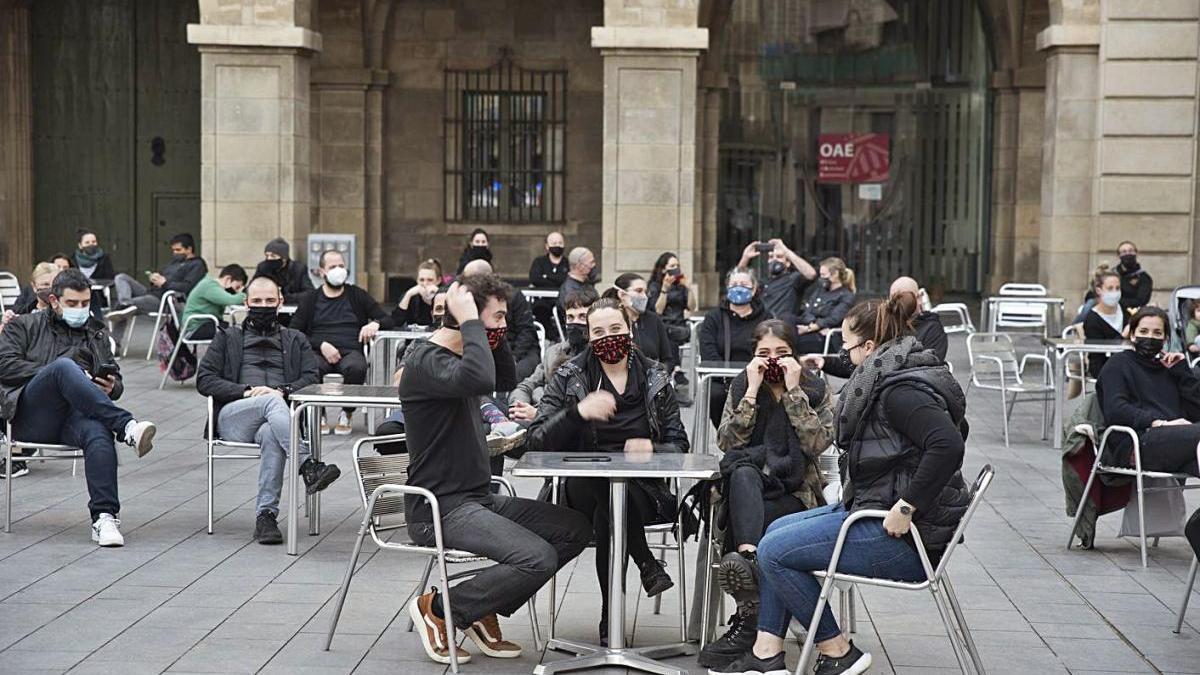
[[727, 333], [1154, 393], [900, 422], [825, 307], [649, 331], [611, 398], [416, 307], [523, 401], [777, 420], [1106, 320]]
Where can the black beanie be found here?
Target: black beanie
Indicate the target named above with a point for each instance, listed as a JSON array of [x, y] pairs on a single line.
[[278, 246]]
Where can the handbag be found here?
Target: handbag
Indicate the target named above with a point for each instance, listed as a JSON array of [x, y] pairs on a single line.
[[1165, 509]]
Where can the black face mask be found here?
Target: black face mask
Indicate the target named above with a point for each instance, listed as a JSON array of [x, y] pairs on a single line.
[[1148, 347], [273, 266], [178, 257], [577, 336], [90, 250], [481, 253], [43, 296], [556, 251], [593, 276], [1129, 261], [232, 291], [262, 319], [777, 268]]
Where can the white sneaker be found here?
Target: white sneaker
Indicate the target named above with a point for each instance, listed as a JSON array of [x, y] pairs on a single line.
[[343, 427], [105, 531], [140, 436]]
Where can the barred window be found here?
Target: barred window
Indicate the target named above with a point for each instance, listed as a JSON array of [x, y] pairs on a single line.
[[505, 142]]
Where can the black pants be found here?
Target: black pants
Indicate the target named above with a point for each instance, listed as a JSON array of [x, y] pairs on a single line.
[[352, 367], [749, 513], [1170, 448], [814, 343], [589, 496], [388, 428]]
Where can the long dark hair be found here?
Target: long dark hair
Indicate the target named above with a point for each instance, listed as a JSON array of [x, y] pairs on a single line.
[[1148, 312], [478, 230], [883, 320], [656, 274]]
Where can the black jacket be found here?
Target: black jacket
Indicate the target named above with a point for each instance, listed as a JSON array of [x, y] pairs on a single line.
[[364, 306], [1136, 287], [220, 372], [292, 279], [543, 273], [1135, 391], [559, 427], [26, 302], [522, 335], [827, 308], [104, 268], [183, 275], [739, 344], [1096, 328], [32, 341], [650, 334], [419, 313]]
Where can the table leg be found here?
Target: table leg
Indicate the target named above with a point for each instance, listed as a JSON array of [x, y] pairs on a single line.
[[292, 477], [314, 501], [1060, 395], [616, 564]]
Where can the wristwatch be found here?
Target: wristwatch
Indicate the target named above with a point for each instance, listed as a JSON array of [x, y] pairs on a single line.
[[905, 510]]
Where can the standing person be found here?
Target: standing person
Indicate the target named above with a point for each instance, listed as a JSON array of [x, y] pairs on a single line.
[[1136, 283], [180, 275], [788, 276], [900, 421], [549, 271], [520, 332], [826, 307], [90, 258], [649, 331], [727, 333], [442, 383], [250, 371], [581, 275], [289, 275], [338, 319], [777, 420], [1105, 321], [416, 306], [58, 381], [212, 296], [478, 248], [611, 398]]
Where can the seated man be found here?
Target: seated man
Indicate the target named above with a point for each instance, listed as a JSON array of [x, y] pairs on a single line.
[[338, 318], [581, 276], [442, 381], [250, 370], [523, 401], [181, 275], [522, 335], [212, 296], [58, 382], [290, 275]]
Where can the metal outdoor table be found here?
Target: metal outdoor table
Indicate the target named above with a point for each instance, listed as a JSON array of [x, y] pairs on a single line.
[[537, 293], [618, 468], [382, 356], [705, 372], [989, 308], [310, 400], [1063, 348]]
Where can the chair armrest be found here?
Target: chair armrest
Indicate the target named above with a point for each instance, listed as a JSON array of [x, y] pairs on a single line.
[[1129, 431], [200, 317], [506, 486], [388, 489], [385, 438], [1047, 371], [881, 514]]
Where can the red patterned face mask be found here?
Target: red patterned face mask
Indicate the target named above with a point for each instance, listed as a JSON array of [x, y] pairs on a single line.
[[495, 335], [612, 348], [774, 372]]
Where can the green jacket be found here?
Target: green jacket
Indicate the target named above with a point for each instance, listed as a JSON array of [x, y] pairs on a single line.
[[209, 297], [1088, 412]]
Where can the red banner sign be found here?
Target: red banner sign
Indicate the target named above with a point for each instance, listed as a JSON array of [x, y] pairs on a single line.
[[852, 158]]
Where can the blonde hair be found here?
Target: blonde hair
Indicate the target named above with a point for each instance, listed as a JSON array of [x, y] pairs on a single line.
[[44, 268], [845, 275], [1103, 271]]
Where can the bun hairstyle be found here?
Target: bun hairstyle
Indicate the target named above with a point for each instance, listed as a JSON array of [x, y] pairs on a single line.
[[882, 321], [623, 283], [436, 265], [845, 275], [1103, 271], [607, 301]]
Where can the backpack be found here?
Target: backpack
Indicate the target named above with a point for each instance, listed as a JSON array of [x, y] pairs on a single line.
[[184, 366]]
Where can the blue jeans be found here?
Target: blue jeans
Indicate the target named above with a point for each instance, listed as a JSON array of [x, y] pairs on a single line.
[[62, 405], [265, 420], [796, 545]]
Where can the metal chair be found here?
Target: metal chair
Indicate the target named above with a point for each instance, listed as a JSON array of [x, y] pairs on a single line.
[[197, 319], [1075, 331], [10, 290], [212, 443], [541, 333], [1187, 594], [937, 581], [1016, 314], [49, 452], [994, 366], [958, 309], [381, 482], [128, 315], [168, 297], [829, 341], [1137, 472]]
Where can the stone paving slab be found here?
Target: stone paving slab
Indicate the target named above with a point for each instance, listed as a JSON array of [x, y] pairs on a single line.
[[178, 600]]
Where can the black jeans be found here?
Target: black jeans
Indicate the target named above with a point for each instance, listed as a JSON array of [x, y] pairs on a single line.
[[61, 405], [530, 541], [1170, 448], [590, 496], [352, 367], [749, 513]]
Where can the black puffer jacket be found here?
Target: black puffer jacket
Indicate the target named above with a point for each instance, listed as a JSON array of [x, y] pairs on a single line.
[[32, 341], [558, 426], [879, 462]]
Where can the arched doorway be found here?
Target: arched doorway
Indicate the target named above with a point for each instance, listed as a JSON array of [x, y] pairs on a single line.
[[858, 128]]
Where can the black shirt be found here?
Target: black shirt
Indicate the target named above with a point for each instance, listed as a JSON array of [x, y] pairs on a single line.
[[262, 359], [740, 341], [630, 420], [419, 313], [1095, 327], [677, 300], [1136, 287], [334, 322], [650, 334], [543, 273], [781, 294]]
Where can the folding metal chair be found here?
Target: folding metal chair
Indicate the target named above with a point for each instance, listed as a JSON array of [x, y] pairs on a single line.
[[1187, 594], [49, 452], [541, 333], [1017, 314], [381, 482], [937, 581], [212, 444], [1136, 472], [168, 298], [197, 320], [994, 366], [829, 341], [10, 290]]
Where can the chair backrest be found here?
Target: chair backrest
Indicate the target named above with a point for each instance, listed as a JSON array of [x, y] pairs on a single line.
[[1016, 289], [167, 304], [373, 471], [541, 333], [982, 481], [996, 346], [10, 289]]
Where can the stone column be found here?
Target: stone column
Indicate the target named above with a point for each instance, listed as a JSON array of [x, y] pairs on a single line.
[[16, 140], [649, 174], [1068, 160], [254, 126]]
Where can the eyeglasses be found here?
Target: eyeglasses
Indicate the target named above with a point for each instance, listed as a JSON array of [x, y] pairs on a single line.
[[850, 349]]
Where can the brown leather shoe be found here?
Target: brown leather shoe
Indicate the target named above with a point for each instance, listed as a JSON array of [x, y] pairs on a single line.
[[485, 633], [433, 630]]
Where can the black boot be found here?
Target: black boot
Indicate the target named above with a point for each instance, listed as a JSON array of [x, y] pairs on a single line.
[[654, 577], [266, 529], [737, 575], [318, 475], [738, 640]]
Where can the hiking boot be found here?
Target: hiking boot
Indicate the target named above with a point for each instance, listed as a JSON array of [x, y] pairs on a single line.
[[266, 529], [749, 664], [743, 628], [737, 575], [655, 578], [432, 630], [318, 475], [486, 635], [852, 662]]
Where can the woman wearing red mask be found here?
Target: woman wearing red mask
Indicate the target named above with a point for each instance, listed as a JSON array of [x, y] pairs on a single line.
[[777, 419], [611, 398]]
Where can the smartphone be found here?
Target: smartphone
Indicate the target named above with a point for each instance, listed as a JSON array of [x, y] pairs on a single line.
[[148, 273], [765, 248], [588, 458], [105, 371]]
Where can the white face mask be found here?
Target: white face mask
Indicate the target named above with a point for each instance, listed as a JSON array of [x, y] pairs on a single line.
[[1110, 298], [638, 302], [337, 276]]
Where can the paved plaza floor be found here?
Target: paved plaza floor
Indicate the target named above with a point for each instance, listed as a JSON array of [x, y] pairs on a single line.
[[176, 599]]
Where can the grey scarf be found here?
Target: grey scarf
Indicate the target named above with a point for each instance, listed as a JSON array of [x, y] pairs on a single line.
[[859, 392]]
